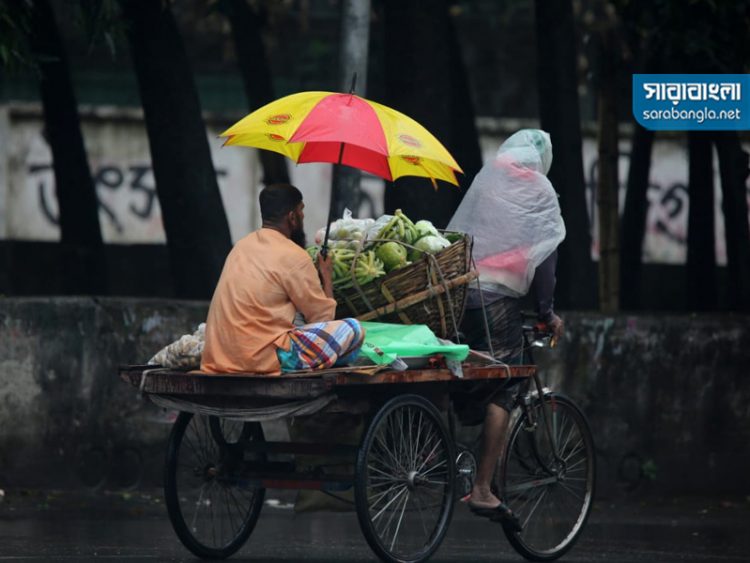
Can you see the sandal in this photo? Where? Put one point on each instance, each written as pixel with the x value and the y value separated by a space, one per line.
pixel 501 513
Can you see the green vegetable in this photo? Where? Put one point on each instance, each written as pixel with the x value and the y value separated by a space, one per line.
pixel 431 244
pixel 425 228
pixel 313 252
pixel 392 254
pixel 367 268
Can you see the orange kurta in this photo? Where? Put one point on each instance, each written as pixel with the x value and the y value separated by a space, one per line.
pixel 266 279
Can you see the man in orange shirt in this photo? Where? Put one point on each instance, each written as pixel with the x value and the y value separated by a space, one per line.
pixel 267 278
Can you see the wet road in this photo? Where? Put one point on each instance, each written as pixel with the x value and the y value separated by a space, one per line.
pixel 42 526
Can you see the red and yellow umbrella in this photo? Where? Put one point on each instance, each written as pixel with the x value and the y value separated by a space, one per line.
pixel 345 129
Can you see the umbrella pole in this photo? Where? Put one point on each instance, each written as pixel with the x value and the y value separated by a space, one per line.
pixel 332 203
pixel 335 183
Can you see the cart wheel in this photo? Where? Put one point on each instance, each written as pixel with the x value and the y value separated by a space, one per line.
pixel 404 482
pixel 211 510
pixel 551 497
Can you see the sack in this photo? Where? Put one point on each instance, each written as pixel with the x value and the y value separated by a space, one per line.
pixel 184 353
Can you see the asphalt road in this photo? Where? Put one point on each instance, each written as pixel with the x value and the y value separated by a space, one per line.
pixel 56 526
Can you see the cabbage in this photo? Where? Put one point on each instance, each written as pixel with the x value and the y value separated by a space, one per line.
pixel 430 244
pixel 392 254
pixel 425 228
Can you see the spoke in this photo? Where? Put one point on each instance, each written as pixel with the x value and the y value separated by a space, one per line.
pixel 400 518
pixel 573 428
pixel 573 468
pixel 579 447
pixel 529 497
pixel 376 470
pixel 196 451
pixel 385 448
pixel 377 482
pixel 432 437
pixel 198 504
pixel 403 448
pixel 388 504
pixel 435 447
pixel 433 468
pixel 571 491
pixel 421 515
pixel 374 500
pixel 531 512
pixel 231 500
pixel 408 429
pixel 213 518
pixel 419 436
pixel 386 526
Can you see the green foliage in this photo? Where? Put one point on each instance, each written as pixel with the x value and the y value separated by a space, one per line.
pixel 15 23
pixel 649 469
pixel 689 35
pixel 100 22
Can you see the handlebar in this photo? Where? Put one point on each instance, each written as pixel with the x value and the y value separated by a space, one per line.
pixel 539 335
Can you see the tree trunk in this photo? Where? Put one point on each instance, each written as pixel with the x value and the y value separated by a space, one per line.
pixel 608 185
pixel 464 139
pixel 194 220
pixel 416 58
pixel 247 24
pixel 733 168
pixel 84 266
pixel 560 116
pixel 634 217
pixel 355 41
pixel 701 246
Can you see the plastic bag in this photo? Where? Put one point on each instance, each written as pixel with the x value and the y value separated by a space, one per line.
pixel 377 225
pixel 512 212
pixel 183 353
pixel 346 228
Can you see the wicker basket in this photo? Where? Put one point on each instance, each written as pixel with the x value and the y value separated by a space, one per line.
pixel 430 291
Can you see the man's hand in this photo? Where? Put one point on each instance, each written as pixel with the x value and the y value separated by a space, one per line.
pixel 557 326
pixel 325 270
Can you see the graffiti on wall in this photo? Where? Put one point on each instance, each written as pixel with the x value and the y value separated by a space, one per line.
pixel 119 157
pixel 134 183
pixel 668 201
pixel 129 211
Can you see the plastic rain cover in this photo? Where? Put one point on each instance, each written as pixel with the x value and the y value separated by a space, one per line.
pixel 513 214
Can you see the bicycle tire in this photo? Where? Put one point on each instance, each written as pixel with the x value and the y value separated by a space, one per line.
pixel 406 459
pixel 552 499
pixel 196 454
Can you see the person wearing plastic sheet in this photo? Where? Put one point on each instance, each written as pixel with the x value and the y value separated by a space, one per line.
pixel 511 211
pixel 268 278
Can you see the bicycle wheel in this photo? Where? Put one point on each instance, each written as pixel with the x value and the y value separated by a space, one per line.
pixel 551 497
pixel 211 510
pixel 404 483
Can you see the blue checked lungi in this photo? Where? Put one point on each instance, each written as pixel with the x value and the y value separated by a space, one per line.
pixel 322 345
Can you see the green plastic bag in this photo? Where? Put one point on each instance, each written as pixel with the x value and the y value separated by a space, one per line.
pixel 384 342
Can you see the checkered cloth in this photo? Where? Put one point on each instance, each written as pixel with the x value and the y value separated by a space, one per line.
pixel 322 345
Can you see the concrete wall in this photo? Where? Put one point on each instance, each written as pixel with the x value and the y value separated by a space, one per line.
pixel 65 417
pixel 668 397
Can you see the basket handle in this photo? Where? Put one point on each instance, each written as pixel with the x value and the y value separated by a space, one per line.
pixel 410 300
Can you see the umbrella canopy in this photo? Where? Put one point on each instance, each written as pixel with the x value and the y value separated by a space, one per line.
pixel 345 129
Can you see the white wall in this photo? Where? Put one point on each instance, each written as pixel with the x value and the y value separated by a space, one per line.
pixel 666 222
pixel 120 161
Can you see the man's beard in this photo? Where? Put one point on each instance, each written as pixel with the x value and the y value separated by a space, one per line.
pixel 299 237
